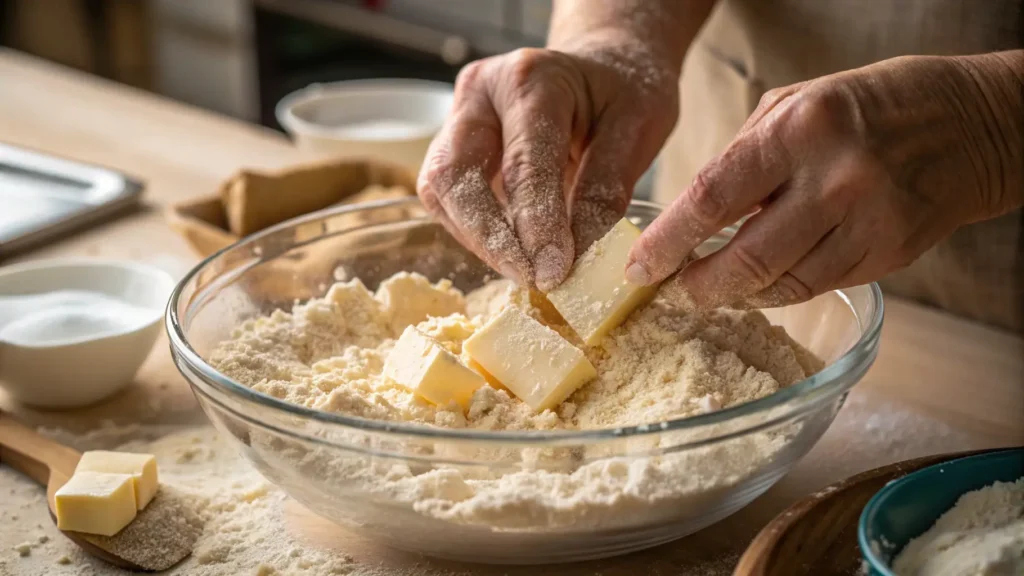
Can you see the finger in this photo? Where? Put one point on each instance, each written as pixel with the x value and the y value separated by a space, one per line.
pixel 536 129
pixel 848 255
pixel 767 245
pixel 770 101
pixel 454 185
pixel 826 267
pixel 433 205
pixel 472 210
pixel 619 152
pixel 727 188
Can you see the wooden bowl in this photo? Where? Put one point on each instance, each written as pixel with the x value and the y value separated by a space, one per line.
pixel 818 535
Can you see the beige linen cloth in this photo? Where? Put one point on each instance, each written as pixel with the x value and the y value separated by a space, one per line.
pixel 751 46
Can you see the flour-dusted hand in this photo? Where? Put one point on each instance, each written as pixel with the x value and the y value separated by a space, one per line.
pixel 848 178
pixel 542 148
pixel 531 134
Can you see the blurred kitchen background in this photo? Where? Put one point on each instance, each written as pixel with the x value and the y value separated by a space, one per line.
pixel 240 57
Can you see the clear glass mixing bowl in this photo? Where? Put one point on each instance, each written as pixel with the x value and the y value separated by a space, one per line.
pixel 495 497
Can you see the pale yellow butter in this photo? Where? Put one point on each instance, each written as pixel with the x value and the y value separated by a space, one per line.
pixel 141 467
pixel 596 297
pixel 96 503
pixel 533 361
pixel 421 364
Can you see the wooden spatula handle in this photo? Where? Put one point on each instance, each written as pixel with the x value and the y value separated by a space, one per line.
pixel 31 453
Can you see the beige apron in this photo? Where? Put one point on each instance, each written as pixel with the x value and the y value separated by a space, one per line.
pixel 751 46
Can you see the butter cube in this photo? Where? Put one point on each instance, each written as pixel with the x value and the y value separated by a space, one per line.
pixel 422 365
pixel 596 298
pixel 96 503
pixel 533 361
pixel 141 467
pixel 491 380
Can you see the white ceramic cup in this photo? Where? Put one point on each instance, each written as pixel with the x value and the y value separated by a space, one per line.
pixel 388 120
pixel 82 371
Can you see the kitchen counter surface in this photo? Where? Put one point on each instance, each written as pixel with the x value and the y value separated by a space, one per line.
pixel 940 383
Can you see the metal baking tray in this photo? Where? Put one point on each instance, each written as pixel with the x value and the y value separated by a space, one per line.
pixel 43 197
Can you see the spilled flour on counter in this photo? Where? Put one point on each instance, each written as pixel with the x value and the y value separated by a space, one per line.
pixel 982 535
pixel 237 513
pixel 660 365
pixel 161 535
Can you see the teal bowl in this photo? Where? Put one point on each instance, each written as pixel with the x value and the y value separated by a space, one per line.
pixel 908 507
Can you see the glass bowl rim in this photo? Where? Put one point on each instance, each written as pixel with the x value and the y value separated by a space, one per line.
pixel 813 390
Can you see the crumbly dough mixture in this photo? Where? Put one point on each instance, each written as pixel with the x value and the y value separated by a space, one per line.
pixel 662 364
pixel 453 497
pixel 983 535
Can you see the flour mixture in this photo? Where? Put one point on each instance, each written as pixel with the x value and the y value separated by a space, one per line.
pixel 661 364
pixel 983 535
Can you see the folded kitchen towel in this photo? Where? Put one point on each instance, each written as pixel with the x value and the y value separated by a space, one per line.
pixel 251 201
pixel 254 201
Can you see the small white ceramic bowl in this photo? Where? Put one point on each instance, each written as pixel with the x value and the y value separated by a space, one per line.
pixel 80 371
pixel 389 120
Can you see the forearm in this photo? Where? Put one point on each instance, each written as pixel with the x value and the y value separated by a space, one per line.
pixel 657 31
pixel 995 89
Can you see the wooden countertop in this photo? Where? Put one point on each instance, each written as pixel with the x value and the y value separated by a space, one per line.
pixel 939 384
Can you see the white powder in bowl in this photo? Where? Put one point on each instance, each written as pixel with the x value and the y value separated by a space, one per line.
pixel 982 535
pixel 67 316
pixel 381 129
pixel 661 364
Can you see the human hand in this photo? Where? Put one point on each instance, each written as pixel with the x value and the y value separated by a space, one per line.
pixel 847 178
pixel 541 151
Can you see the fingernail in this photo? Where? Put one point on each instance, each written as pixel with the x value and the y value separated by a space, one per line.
pixel 550 267
pixel 509 271
pixel 637 274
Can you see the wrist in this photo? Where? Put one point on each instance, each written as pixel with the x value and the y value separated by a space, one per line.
pixel 603 39
pixel 993 103
pixel 638 61
pixel 653 33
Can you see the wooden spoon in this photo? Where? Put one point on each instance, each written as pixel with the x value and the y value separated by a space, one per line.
pixel 818 535
pixel 50 464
